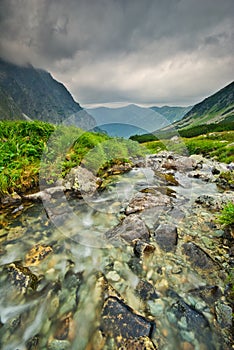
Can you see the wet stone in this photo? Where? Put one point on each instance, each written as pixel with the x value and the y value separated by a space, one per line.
pixel 146 290
pixel 216 201
pixel 33 343
pixel 21 277
pixel 142 343
pixel 131 228
pixel 224 314
pixel 166 237
pixel 62 328
pixel 209 294
pixel 119 320
pixel 144 201
pixel 198 257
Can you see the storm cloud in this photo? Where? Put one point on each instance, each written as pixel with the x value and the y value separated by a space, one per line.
pixel 124 51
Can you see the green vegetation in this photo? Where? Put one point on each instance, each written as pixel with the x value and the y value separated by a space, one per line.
pixel 33 152
pixel 226 217
pixel 218 145
pixel 214 145
pixel 21 146
pixel 143 138
pixel 226 125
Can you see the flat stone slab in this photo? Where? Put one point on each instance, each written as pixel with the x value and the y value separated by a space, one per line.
pixel 119 320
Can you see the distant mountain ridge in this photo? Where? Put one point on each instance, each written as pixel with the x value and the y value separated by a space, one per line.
pixel 172 113
pixel 25 90
pixel 128 120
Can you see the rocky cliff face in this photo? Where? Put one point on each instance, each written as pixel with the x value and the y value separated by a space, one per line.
pixel 35 93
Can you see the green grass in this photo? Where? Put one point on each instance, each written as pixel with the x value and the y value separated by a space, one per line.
pixel 226 217
pixel 37 152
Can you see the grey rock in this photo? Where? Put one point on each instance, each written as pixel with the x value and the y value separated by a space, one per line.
pixel 166 236
pixel 81 180
pixel 131 228
pixel 144 201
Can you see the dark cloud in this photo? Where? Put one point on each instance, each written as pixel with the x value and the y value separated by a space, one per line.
pixel 151 51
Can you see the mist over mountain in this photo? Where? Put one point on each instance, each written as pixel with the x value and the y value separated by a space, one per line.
pixel 27 92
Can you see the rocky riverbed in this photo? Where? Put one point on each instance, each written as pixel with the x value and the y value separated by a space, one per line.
pixel 134 260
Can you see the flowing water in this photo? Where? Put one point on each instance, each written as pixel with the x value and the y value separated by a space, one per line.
pixel 62 308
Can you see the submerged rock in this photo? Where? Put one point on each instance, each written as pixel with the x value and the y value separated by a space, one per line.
pixel 191 318
pixel 143 249
pixel 224 314
pixel 166 236
pixel 119 321
pixel 198 257
pixel 38 253
pixel 146 290
pixel 209 294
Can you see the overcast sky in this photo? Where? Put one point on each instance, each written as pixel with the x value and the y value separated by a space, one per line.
pixel 113 52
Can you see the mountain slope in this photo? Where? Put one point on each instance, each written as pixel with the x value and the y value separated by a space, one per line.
pixel 213 109
pixel 34 92
pixel 128 120
pixel 172 114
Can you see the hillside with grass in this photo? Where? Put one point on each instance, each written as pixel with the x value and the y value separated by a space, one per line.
pixel 214 109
